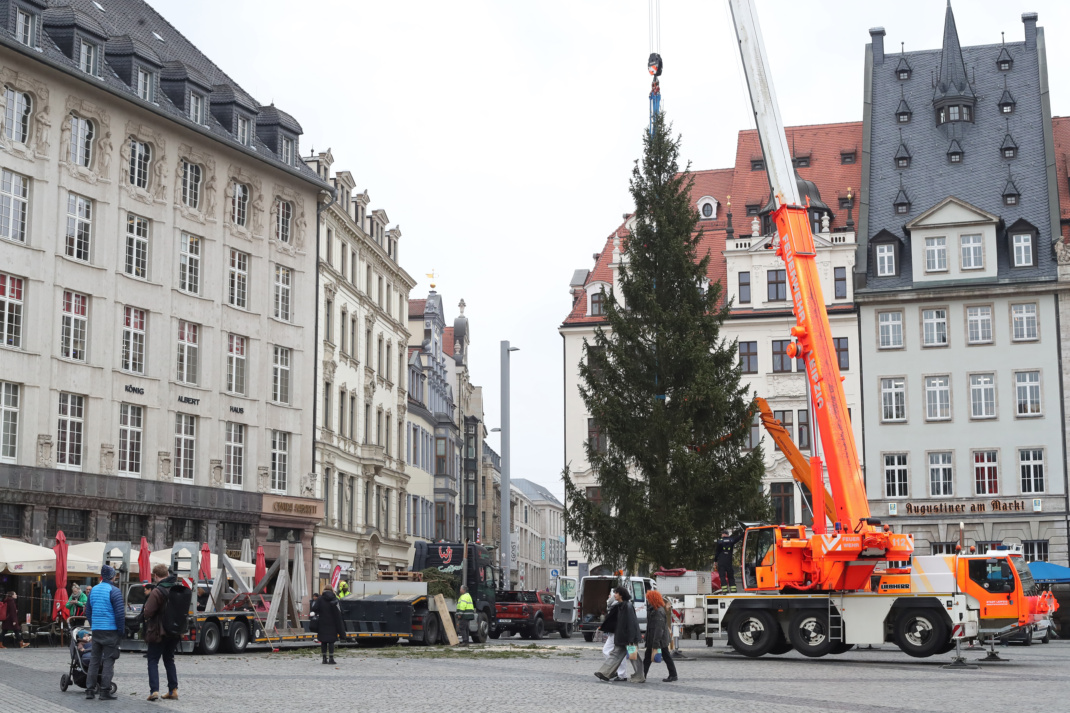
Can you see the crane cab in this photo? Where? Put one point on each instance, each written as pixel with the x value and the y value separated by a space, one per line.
pixel 773 557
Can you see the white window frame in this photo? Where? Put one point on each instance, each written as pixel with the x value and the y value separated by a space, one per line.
pixel 18 107
pixel 134 323
pixel 10 394
pixel 14 205
pixel 979 317
pixel 894 396
pixel 283 220
pixel 12 296
pixel 936 254
pixel 1031 470
pixel 1022 249
pixel 189 263
pixel 972 252
pixel 192 175
pixel 25 27
pixel 287 151
pixel 283 293
pixel 88 56
pixel 983 395
pixel 938 397
pixel 1028 397
pixel 896 475
pixel 280 374
pixel 936 317
pixel 138 232
pixel 989 462
pixel 188 352
pixel 145 84
pixel 280 460
pixel 237 348
pixel 890 328
pixel 185 446
pixel 79 241
pixel 234 455
pixel 196 108
pixel 140 159
pixel 70 431
pixel 885 253
pixel 242 130
pixel 238 279
pixel 74 325
pixel 131 431
pixel 1025 325
pixel 239 204
pixel 941 468
pixel 82 133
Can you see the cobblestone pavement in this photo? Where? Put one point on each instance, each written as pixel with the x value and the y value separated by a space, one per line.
pixel 557 675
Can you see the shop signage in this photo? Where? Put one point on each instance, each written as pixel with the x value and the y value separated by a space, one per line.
pixel 188 400
pixel 325 566
pixel 296 508
pixel 131 389
pixel 958 508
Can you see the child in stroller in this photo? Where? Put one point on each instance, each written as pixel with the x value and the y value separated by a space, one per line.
pixel 81 647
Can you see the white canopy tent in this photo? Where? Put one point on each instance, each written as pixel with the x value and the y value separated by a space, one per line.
pixel 20 557
pixel 94 551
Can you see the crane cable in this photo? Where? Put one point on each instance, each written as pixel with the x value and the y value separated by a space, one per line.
pixel 654 63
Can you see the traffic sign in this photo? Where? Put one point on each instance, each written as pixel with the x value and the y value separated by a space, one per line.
pixel 554 573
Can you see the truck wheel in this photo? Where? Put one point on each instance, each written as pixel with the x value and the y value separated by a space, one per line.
pixel 565 631
pixel 495 633
pixel 753 632
pixel 588 636
pixel 538 628
pixel 809 632
pixel 430 629
pixel 238 639
pixel 781 647
pixel 483 630
pixel 920 632
pixel 210 639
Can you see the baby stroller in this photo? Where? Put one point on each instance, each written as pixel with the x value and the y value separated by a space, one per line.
pixel 78 670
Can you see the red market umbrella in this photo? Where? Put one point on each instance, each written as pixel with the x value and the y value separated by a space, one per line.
pixel 59 603
pixel 205 572
pixel 261 566
pixel 144 567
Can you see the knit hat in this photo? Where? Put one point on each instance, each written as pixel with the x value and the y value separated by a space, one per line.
pixel 107 573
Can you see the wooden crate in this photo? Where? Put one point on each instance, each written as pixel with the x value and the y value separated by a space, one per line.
pixel 400 576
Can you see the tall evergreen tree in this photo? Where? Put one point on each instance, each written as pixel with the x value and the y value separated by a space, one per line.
pixel 663 386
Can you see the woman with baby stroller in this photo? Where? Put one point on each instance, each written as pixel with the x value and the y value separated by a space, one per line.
pixel 81 647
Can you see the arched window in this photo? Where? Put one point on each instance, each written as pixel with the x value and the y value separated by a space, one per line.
pixel 17 115
pixel 191 184
pixel 284 213
pixel 140 156
pixel 239 204
pixel 82 131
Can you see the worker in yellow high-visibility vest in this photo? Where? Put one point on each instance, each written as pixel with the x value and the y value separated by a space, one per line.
pixel 466 612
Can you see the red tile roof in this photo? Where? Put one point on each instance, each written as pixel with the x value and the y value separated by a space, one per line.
pixel 1061 130
pixel 822 143
pixel 416 308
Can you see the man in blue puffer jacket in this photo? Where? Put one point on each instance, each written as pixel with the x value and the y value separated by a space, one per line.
pixel 107 617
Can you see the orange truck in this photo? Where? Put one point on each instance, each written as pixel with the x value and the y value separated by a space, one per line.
pixel 812 590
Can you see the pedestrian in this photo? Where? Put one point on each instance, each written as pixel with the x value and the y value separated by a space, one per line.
pixel 160 644
pixel 10 623
pixel 107 619
pixel 331 626
pixel 625 635
pixel 608 626
pixel 343 589
pixel 76 602
pixel 723 556
pixel 466 612
pixel 657 634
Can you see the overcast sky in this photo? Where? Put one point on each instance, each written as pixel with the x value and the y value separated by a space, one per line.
pixel 499 136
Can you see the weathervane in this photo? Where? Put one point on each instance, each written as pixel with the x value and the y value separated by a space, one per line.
pixel 432 275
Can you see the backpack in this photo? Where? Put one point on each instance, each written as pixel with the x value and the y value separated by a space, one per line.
pixel 175 615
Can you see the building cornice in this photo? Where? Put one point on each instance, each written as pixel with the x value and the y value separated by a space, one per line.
pixel 973 291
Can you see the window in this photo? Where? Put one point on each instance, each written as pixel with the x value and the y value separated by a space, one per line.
pixel 847 158
pixel 88 56
pixel 895 475
pixel 777 285
pixel 11 520
pixel 1035 550
pixel 935 254
pixel 902 208
pixel 979 324
pixel 840 282
pixel 941 482
pixel 748 357
pixel 782 496
pixel 1027 385
pixel 885 260
pixel 74 523
pixel 1023 250
pixel 140 156
pixel 754 434
pixel 744 288
pixel 185 445
pixel 1010 199
pixel 280 460
pixel 280 375
pixel 1024 322
pixel 79 227
pixel 282 293
pixel 781 361
pixel 18 107
pixel 196 108
pixel 238 285
pixel 189 264
pixel 14 198
pixel 284 212
pixel 972 257
pixel 288 151
pixel 188 334
pixel 74 324
pixel 239 204
pixel 25 27
pixel 236 347
pixel 81 141
pixel 137 246
pixel 934 327
pixel 757 165
pixel 243 131
pixel 134 340
pixel 328 322
pixel 130 425
pixel 69 440
pixel 937 398
pixel 191 184
pixel 707 210
pixel 145 84
pixel 893 399
pixel 785 418
pixel 9 421
pixel 183 530
pixel 327 405
pixel 890 330
pixel 986 473
pixel 597 303
pixel 126 527
pixel 944 548
pixel 10 310
pixel 843 355
pixel 1031 461
pixel 234 455
pixel 983 395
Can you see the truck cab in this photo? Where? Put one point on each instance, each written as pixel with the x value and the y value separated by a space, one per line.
pixel 482 575
pixel 593 602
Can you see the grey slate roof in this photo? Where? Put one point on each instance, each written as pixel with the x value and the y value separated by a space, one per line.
pixel 534 491
pixel 981 176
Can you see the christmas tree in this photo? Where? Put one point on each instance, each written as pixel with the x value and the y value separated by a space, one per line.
pixel 663 385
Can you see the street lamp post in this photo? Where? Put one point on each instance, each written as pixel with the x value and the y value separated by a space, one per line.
pixel 505 520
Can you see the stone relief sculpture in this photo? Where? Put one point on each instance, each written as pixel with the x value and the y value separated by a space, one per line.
pixel 1062 252
pixel 209 193
pixel 263 479
pixel 44 450
pixel 42 127
pixel 217 473
pixel 107 458
pixel 258 213
pixel 159 173
pixel 65 140
pixel 105 155
pixel 163 465
pixel 308 485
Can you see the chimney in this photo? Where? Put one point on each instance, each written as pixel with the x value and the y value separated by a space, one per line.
pixel 876 35
pixel 1029 19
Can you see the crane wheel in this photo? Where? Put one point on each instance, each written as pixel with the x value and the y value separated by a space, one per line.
pixel 809 632
pixel 753 632
pixel 921 632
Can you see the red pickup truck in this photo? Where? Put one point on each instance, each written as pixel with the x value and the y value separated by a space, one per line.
pixel 530 614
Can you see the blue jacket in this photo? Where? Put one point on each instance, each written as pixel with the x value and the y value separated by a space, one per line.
pixel 105 609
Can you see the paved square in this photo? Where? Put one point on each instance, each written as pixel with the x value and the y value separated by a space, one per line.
pixel 555 676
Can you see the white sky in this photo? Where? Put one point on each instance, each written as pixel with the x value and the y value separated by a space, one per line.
pixel 500 136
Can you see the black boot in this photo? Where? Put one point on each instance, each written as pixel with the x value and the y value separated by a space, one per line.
pixel 108 696
pixel 90 693
pixel 330 660
pixel 670 679
pixel 325 658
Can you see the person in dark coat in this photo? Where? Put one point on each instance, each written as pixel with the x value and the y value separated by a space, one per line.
pixel 159 643
pixel 331 626
pixel 10 624
pixel 657 634
pixel 723 555
pixel 626 634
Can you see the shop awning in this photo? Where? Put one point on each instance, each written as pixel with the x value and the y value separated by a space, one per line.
pixel 1048 573
pixel 20 557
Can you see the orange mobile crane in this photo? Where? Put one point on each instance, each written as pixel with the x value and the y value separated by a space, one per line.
pixel 814 591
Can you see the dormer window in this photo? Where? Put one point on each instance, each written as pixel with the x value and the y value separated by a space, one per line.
pixel 25 27
pixel 145 84
pixel 287 151
pixel 1006 102
pixel 954 152
pixel 1005 66
pixel 196 108
pixel 753 210
pixel 1004 61
pixel 847 157
pixel 89 57
pixel 1010 152
pixel 1010 192
pixel 707 210
pixel 243 131
pixel 1009 147
pixel 902 112
pixel 902 156
pixel 801 162
pixel 902 70
pixel 757 165
pixel 901 202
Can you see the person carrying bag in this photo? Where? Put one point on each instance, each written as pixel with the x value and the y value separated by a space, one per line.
pixel 657 634
pixel 625 637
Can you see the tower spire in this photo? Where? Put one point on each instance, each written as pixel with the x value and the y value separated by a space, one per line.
pixel 952 82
